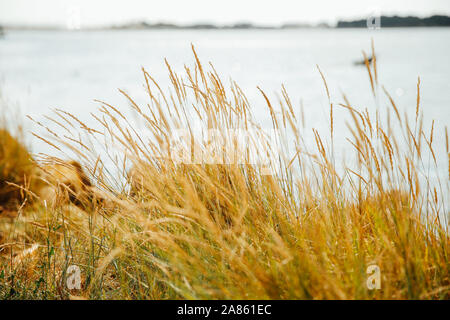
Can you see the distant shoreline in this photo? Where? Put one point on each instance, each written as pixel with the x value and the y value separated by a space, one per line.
pixel 385 22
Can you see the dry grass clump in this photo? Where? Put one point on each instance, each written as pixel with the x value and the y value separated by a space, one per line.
pixel 16 167
pixel 169 229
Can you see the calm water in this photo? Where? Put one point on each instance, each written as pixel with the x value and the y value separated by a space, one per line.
pixel 41 70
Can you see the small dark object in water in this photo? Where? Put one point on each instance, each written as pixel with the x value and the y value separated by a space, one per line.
pixel 363 62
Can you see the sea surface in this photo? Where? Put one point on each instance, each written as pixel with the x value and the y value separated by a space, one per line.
pixel 44 70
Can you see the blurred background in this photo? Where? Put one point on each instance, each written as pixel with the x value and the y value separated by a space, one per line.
pixel 66 53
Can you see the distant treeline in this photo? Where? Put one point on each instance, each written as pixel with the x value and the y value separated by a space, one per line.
pixel 385 21
pixel 396 21
pixel 146 25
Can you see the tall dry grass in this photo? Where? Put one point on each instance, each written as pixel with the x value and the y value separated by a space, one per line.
pixel 168 230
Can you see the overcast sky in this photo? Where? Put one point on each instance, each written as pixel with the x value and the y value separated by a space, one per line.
pixel 103 12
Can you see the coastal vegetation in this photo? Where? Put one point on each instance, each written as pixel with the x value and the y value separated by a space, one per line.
pixel 139 224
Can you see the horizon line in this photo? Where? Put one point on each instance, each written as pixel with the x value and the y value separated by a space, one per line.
pixel 162 24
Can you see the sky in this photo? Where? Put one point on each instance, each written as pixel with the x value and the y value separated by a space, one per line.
pixel 88 13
